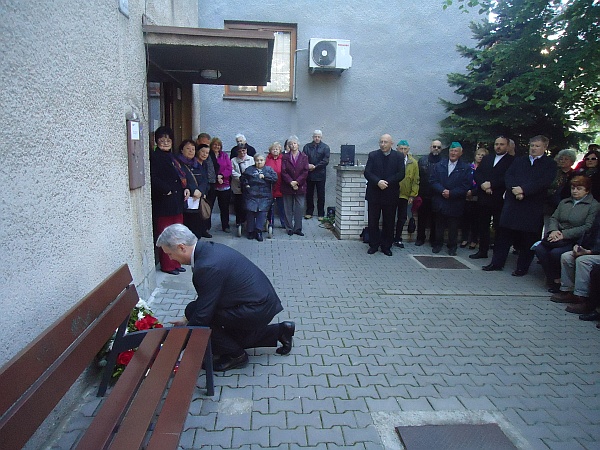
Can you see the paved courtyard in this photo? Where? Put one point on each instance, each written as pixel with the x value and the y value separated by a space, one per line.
pixel 383 342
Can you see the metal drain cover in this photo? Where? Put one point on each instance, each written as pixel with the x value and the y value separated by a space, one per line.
pixel 440 262
pixel 454 437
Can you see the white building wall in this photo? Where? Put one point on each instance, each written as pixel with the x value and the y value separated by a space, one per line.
pixel 71 72
pixel 402 52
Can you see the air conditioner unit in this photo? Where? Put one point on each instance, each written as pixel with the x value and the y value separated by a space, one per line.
pixel 329 55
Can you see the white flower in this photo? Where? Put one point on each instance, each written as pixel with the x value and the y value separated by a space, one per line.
pixel 142 304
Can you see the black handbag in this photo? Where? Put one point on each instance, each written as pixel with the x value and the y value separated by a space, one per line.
pixel 412 225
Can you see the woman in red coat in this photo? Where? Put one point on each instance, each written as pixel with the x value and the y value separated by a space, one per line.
pixel 294 172
pixel 274 162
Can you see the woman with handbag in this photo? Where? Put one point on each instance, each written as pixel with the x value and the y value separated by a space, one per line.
pixel 571 219
pixel 197 176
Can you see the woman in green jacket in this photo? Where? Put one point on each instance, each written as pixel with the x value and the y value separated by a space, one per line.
pixel 409 189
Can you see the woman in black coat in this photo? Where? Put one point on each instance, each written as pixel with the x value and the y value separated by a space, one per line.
pixel 169 191
pixel 257 191
pixel 197 177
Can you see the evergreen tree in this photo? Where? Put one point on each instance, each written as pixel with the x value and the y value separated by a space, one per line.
pixel 513 85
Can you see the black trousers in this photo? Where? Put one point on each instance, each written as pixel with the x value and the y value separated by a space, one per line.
pixel 238 208
pixel 310 202
pixel 522 240
pixel 401 220
pixel 426 218
pixel 224 199
pixel 231 339
pixel 195 223
pixel 487 214
pixel 385 237
pixel 441 222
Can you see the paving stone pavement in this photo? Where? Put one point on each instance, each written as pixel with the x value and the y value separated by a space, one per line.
pixel 381 342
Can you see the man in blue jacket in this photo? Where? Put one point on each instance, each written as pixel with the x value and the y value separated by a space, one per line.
pixel 235 298
pixel 450 179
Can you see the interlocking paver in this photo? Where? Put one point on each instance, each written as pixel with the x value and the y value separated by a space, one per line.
pixel 384 334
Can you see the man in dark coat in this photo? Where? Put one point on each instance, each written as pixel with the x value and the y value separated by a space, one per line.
pixel 450 179
pixel 241 142
pixel 384 172
pixel 489 178
pixel 426 215
pixel 235 298
pixel 527 181
pixel 318 159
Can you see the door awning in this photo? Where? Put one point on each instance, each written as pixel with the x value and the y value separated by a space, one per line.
pixel 208 56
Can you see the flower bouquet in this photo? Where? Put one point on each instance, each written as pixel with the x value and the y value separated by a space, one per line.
pixel 141 318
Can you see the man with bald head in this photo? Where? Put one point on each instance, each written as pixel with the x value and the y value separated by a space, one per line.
pixel 426 216
pixel 384 171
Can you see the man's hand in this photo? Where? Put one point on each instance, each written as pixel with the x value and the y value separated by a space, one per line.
pixel 516 190
pixel 486 185
pixel 446 193
pixel 311 167
pixel 382 184
pixel 186 194
pixel 179 323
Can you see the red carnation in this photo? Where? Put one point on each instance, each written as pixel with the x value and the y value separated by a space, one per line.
pixel 147 322
pixel 125 357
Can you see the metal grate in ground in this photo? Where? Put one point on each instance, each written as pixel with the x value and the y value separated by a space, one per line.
pixel 454 437
pixel 440 262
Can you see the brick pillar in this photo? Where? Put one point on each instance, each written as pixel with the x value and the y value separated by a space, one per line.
pixel 350 216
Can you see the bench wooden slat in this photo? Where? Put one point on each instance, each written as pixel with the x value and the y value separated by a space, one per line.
pixel 169 426
pixel 23 417
pixel 102 428
pixel 134 426
pixel 48 346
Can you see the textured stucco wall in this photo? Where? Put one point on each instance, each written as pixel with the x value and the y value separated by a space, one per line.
pixel 401 50
pixel 71 71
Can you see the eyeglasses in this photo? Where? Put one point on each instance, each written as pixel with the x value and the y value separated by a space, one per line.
pixel 436 146
pixel 591 159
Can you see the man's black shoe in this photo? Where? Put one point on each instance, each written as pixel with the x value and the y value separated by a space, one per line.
pixel 371 251
pixel 286 337
pixel 594 315
pixel 225 362
pixel 519 273
pixel 399 244
pixel 436 249
pixel 478 255
pixel 452 251
pixel 491 268
pixel 299 233
pixel 290 232
pixel 386 252
pixel 207 235
pixel 418 242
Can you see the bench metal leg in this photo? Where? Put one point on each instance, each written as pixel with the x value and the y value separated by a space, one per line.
pixel 208 366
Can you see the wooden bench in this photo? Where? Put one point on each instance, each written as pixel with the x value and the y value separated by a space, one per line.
pixel 149 403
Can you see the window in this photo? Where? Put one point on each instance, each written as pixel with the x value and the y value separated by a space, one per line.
pixel 282 66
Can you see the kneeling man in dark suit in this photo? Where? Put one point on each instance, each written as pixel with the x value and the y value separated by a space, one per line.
pixel 235 298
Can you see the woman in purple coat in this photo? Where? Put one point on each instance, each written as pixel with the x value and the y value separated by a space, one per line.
pixel 294 173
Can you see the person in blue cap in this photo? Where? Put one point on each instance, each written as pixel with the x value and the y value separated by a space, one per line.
pixel 450 180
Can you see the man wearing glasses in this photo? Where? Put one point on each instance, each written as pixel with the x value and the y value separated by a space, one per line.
pixel 426 215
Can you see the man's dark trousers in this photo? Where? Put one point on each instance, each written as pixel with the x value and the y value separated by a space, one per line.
pixel 452 223
pixel 486 213
pixel 310 203
pixel 426 216
pixel 385 237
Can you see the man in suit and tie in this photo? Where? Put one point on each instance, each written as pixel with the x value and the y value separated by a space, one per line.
pixel 235 298
pixel 384 172
pixel 450 180
pixel 527 181
pixel 489 177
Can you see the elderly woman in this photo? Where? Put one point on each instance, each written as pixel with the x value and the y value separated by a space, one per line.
pixel 274 162
pixel 222 187
pixel 257 181
pixel 239 164
pixel 560 187
pixel 197 177
pixel 571 219
pixel 209 161
pixel 590 169
pixel 169 191
pixel 294 174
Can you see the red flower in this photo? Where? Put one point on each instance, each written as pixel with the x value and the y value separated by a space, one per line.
pixel 125 357
pixel 147 322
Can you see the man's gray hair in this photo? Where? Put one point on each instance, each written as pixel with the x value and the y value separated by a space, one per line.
pixel 568 153
pixel 176 234
pixel 317 133
pixel 240 135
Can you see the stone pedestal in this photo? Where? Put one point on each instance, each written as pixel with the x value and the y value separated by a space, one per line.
pixel 350 214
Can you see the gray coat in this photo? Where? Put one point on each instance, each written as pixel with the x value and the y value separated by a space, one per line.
pixel 573 220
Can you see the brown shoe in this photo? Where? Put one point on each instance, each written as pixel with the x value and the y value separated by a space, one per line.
pixel 564 297
pixel 581 308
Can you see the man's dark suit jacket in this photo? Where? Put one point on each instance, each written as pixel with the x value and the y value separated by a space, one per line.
pixel 231 289
pixel 458 183
pixel 495 175
pixel 389 168
pixel 528 214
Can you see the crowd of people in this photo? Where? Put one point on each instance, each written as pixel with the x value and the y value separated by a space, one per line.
pixel 535 204
pixel 261 187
